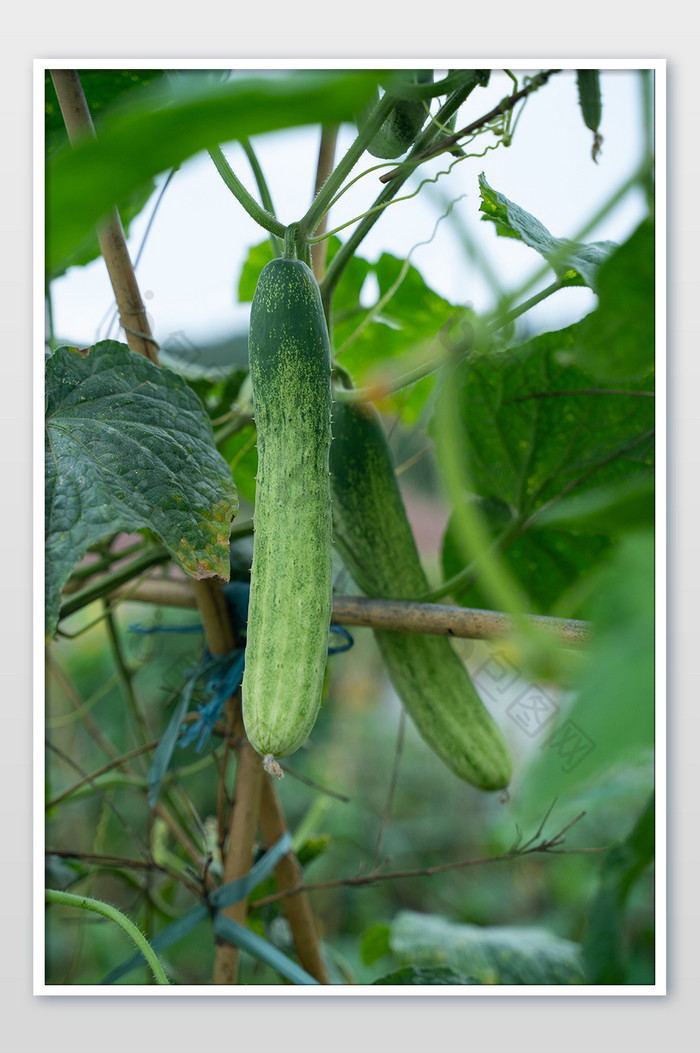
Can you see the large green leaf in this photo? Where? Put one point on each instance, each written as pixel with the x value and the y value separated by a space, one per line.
pixel 129 446
pixel 172 122
pixel 539 430
pixel 612 509
pixel 607 724
pixel 103 88
pixel 373 342
pixel 573 262
pixel 545 562
pixel 493 955
pixel 616 341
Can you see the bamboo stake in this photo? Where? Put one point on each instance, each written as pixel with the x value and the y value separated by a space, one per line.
pixel 239 849
pixel 326 159
pixel 289 874
pixel 110 232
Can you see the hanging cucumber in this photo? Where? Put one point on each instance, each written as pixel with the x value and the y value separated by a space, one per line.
pixel 398 132
pixel 290 595
pixel 374 537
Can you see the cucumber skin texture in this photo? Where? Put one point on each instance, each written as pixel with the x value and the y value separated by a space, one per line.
pixel 399 130
pixel 290 594
pixel 374 537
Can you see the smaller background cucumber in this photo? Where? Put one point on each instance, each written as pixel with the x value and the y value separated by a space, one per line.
pixel 399 131
pixel 375 539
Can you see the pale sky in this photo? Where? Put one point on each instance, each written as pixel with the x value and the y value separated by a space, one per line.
pixel 189 270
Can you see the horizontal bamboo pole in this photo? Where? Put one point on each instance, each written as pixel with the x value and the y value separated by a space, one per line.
pixel 396 615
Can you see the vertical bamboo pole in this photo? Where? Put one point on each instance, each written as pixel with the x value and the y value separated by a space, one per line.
pixel 110 233
pixel 240 839
pixel 240 843
pixel 326 159
pixel 288 874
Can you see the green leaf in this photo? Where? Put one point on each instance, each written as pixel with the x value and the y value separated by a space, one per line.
pixel 545 562
pixel 617 340
pixel 539 430
pixel 612 509
pixel 346 311
pixel 89 249
pixel 412 975
pixel 167 125
pixel 104 89
pixel 241 453
pixel 538 427
pixel 257 257
pixel 370 342
pixel 573 262
pixel 129 446
pixel 375 943
pixel 604 949
pixel 609 723
pixel 413 314
pixel 494 955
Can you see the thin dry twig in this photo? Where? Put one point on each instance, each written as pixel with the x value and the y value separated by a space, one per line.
pixel 453 140
pixel 314 785
pixel 398 752
pixel 105 797
pixel 549 846
pixel 121 863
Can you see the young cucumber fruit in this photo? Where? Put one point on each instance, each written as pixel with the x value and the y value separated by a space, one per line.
pixel 374 537
pixel 398 132
pixel 290 594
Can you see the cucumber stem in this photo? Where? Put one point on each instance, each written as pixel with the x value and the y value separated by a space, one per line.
pixel 328 191
pixel 255 211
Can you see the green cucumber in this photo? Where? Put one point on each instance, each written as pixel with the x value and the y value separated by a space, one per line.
pixel 290 593
pixel 398 132
pixel 375 540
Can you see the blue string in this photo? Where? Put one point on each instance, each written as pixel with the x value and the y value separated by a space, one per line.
pixel 340 630
pixel 225 673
